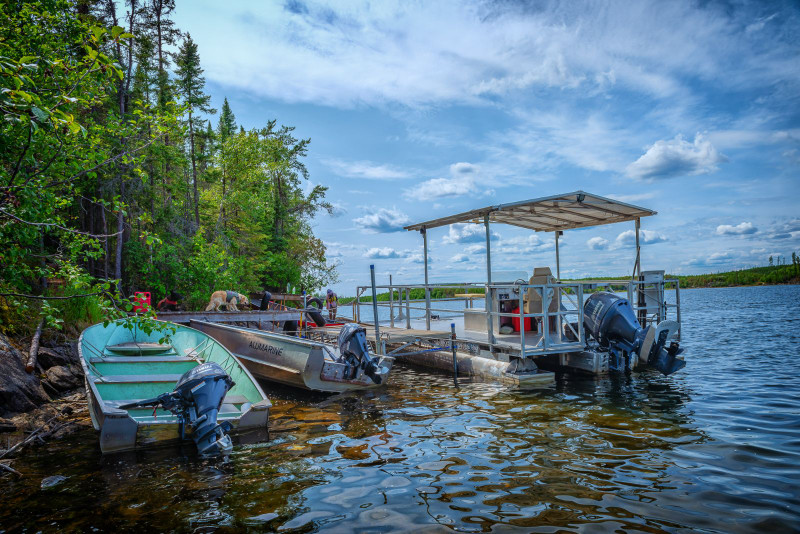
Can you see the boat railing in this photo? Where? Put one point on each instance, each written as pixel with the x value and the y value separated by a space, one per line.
pixel 559 329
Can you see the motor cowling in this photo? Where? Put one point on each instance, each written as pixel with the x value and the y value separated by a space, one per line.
pixel 202 390
pixel 196 401
pixel 611 321
pixel 353 348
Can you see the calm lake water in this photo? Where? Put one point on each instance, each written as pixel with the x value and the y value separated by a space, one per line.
pixel 714 448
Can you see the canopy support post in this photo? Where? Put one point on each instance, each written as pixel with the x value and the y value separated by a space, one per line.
pixel 489 318
pixel 558 260
pixel 637 269
pixel 424 232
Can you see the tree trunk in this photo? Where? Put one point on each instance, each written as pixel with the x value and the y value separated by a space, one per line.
pixel 120 236
pixel 105 241
pixel 194 173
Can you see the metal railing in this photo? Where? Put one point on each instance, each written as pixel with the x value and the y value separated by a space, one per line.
pixel 558 330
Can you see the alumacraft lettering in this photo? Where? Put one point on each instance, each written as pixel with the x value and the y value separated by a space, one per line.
pixel 269 349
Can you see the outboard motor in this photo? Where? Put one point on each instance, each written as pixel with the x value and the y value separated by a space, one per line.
pixel 610 320
pixel 196 401
pixel 355 351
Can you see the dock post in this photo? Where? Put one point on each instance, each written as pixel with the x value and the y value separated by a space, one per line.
pixel 391 302
pixel 375 310
pixel 427 289
pixel 408 308
pixel 453 348
pixel 489 318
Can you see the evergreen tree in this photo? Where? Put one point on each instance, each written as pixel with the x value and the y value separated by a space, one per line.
pixel 226 126
pixel 190 84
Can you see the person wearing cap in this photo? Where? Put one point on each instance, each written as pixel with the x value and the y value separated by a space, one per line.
pixel 331 303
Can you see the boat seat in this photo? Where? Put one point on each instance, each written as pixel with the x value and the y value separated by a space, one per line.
pixel 141 359
pixel 135 379
pixel 140 348
pixel 229 400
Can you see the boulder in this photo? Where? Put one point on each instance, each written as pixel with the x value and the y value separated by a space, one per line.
pixel 52 357
pixel 63 377
pixel 19 391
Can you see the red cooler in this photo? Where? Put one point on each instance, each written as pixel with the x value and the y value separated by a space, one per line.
pixel 515 321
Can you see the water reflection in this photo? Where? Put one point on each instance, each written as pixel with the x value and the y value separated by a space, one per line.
pixel 716 447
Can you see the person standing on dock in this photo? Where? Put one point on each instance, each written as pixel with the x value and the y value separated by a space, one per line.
pixel 331 303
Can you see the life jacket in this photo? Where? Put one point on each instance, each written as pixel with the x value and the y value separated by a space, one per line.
pixel 230 295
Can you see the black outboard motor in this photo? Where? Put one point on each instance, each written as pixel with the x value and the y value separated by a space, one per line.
pixel 610 320
pixel 196 401
pixel 355 352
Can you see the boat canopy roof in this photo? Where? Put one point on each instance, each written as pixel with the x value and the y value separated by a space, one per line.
pixel 548 214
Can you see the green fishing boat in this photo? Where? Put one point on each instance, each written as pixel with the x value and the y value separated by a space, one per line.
pixel 145 393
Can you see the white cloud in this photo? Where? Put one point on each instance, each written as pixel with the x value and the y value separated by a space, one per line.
pixel 597 243
pixel 377 53
pixel 467 233
pixel 383 221
pixel 526 245
pixel 418 257
pixel 440 188
pixel 337 209
pixel 634 197
pixel 676 157
pixel 463 180
pixel 742 228
pixel 476 249
pixel 646 237
pixel 366 170
pixel 459 258
pixel 383 253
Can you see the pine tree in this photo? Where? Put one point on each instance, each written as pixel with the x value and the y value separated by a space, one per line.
pixel 227 122
pixel 190 84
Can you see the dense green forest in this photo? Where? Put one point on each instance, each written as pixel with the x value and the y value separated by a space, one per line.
pixel 780 273
pixel 116 175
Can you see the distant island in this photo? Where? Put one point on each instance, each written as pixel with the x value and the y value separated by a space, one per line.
pixel 787 273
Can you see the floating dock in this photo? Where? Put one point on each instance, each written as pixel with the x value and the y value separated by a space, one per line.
pixel 525 323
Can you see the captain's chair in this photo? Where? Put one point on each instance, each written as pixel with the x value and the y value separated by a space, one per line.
pixel 533 297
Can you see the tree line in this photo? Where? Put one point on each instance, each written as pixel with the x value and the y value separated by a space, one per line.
pixel 117 175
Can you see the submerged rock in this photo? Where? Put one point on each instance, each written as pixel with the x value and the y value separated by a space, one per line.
pixel 49 482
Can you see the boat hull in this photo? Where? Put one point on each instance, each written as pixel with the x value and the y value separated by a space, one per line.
pixel 245 406
pixel 289 360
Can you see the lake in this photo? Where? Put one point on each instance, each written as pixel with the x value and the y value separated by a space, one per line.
pixel 713 448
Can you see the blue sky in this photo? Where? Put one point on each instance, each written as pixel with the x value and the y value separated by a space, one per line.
pixel 416 110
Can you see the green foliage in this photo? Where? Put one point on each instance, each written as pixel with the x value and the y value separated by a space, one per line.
pixel 112 180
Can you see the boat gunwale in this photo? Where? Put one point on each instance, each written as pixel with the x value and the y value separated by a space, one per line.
pixel 114 411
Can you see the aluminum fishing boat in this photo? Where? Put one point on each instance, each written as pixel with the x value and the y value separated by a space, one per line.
pixel 144 393
pixel 303 363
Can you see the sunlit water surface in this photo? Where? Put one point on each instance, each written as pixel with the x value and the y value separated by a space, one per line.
pixel 714 448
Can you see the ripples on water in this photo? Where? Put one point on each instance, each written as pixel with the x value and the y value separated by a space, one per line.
pixel 714 448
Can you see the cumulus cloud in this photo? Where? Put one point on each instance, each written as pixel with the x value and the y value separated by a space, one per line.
pixel 743 228
pixel 466 233
pixel 646 237
pixel 383 253
pixel 525 245
pixel 366 170
pixel 463 180
pixel 418 257
pixel 337 209
pixel 597 243
pixel 476 249
pixel 676 157
pixel 383 221
pixel 459 258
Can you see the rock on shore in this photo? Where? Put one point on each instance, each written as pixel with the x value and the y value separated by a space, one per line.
pixel 57 372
